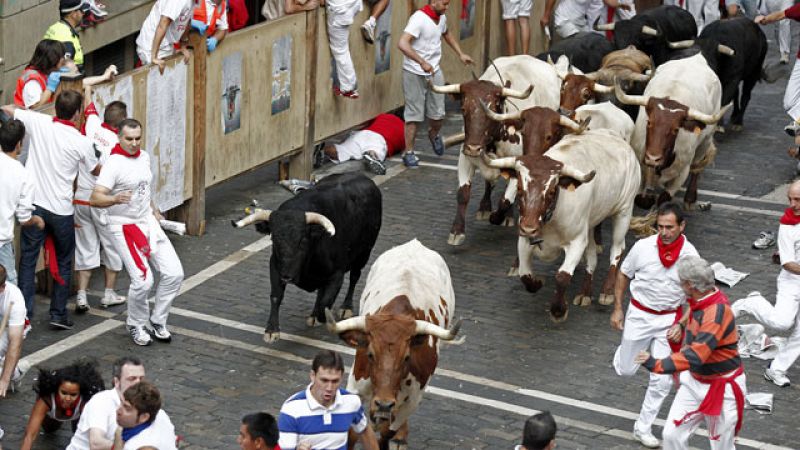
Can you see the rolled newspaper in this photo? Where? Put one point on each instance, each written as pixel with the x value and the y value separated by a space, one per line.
pixel 178 228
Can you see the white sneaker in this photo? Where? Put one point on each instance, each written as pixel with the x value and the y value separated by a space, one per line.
pixel 81 304
pixel 23 366
pixel 160 332
pixel 111 298
pixel 777 377
pixel 742 306
pixel 646 439
pixel 139 335
pixel 368 30
pixel 2 433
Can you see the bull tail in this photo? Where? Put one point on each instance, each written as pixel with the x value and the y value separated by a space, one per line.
pixel 642 226
pixel 708 158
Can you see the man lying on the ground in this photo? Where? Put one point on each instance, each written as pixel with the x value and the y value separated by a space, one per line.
pixel 382 138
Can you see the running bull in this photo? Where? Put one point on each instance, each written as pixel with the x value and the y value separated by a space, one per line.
pixel 406 309
pixel 318 236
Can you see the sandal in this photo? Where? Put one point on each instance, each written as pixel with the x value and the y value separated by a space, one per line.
pixel 766 239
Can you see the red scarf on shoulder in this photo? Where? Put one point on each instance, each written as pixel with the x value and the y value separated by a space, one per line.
pixel 668 253
pixel 117 150
pixel 431 13
pixel 789 217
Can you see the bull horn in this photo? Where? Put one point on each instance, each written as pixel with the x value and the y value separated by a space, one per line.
pixel 446 89
pixel 643 77
pixel 424 327
pixel 498 116
pixel 354 323
pixel 650 31
pixel 319 219
pixel 640 100
pixel 709 119
pixel 602 88
pixel 550 60
pixel 681 44
pixel 509 162
pixel 258 215
pixel 577 174
pixel 508 92
pixel 603 27
pixel 576 127
pixel 725 50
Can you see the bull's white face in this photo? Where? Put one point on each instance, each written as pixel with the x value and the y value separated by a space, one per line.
pixel 537 186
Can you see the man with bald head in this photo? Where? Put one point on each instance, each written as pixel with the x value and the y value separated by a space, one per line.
pixel 784 314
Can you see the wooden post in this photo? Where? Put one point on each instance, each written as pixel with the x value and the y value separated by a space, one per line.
pixel 193 211
pixel 300 164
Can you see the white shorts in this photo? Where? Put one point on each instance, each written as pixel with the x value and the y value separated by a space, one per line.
pixel 360 142
pixel 91 235
pixel 513 9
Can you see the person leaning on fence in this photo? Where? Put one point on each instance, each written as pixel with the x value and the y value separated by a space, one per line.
pixel 421 43
pixel 274 9
pixel 56 151
pixel 165 29
pixel 340 16
pixel 72 12
pixel 39 81
pixel 210 18
pixel 539 433
pixel 258 431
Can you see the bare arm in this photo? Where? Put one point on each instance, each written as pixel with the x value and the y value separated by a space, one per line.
pixel 34 424
pixel 9 109
pixel 404 44
pixel 368 439
pixel 617 316
pixel 453 43
pixel 102 198
pixel 291 7
pixel 792 267
pixel 548 11
pixel 47 94
pixel 770 18
pixel 12 357
pixel 98 441
pixel 161 31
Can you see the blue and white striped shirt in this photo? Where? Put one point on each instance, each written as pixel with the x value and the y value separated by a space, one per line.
pixel 303 419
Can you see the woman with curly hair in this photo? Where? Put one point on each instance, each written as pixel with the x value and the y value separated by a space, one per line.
pixel 61 396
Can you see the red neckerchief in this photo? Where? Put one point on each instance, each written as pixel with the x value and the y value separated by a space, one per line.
pixel 610 19
pixel 110 128
pixel 431 13
pixel 717 298
pixel 117 150
pixel 789 217
pixel 51 261
pixel 68 123
pixel 136 240
pixel 668 253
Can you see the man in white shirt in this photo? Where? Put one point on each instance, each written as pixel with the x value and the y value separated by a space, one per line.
pixel 124 188
pixel 786 312
pixel 91 233
pixel 16 195
pixel 56 150
pixel 572 16
pixel 703 11
pixel 142 421
pixel 421 44
pixel 98 422
pixel 12 311
pixel 166 25
pixel 654 314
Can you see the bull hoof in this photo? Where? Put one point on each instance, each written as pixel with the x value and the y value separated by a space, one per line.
pixel 704 206
pixel 720 129
pixel 689 206
pixel 582 300
pixel 483 215
pixel 345 313
pixel 513 272
pixel 531 283
pixel 606 299
pixel 271 337
pixel 737 127
pixel 510 222
pixel 598 249
pixel 645 201
pixel 398 445
pixel 559 316
pixel 456 239
pixel 312 321
pixel 496 219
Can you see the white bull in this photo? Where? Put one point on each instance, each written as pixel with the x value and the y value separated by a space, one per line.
pixel 517 74
pixel 564 194
pixel 406 308
pixel 672 138
pixel 606 116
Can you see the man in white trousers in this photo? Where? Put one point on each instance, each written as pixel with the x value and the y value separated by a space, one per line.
pixel 703 11
pixel 791 99
pixel 340 16
pixel 123 187
pixel 784 314
pixel 753 8
pixel 654 314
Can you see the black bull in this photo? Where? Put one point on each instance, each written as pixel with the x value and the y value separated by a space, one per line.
pixel 318 236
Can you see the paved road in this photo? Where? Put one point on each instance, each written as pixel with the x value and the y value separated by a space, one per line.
pixel 515 360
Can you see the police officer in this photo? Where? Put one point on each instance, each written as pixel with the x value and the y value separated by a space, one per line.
pixel 72 12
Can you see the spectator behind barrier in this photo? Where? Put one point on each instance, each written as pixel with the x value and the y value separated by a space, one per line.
pixel 210 18
pixel 539 433
pixel 38 83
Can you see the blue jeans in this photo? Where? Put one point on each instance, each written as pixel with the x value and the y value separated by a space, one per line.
pixel 62 228
pixel 8 262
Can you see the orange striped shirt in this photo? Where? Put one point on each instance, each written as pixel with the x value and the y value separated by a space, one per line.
pixel 710 348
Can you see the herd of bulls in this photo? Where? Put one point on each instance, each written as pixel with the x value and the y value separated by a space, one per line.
pixel 580 140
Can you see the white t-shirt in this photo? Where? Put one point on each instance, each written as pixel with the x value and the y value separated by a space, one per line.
pixel 17 311
pixel 427 41
pixel 652 284
pixel 789 246
pixel 101 413
pixel 31 93
pixel 122 173
pixel 160 435
pixel 104 141
pixel 598 9
pixel 16 196
pixel 573 11
pixel 55 152
pixel 180 11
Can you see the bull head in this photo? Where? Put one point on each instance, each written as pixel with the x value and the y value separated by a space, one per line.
pixel 539 180
pixel 389 348
pixel 479 131
pixel 578 90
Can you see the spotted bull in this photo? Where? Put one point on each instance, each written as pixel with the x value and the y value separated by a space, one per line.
pixel 563 196
pixel 672 138
pixel 510 84
pixel 406 309
pixel 318 236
